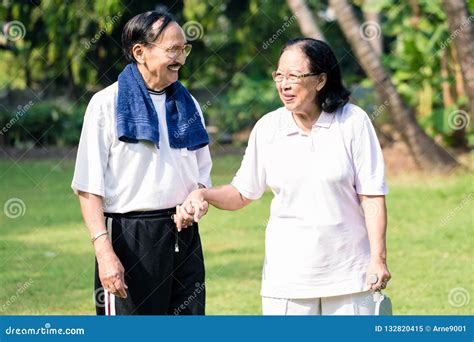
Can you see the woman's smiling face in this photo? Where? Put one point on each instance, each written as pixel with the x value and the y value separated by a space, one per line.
pixel 300 96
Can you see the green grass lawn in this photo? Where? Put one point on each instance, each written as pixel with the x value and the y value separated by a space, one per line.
pixel 46 260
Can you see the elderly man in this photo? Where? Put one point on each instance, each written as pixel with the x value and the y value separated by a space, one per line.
pixel 143 149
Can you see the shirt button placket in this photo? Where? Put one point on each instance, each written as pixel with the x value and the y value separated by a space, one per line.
pixel 312 137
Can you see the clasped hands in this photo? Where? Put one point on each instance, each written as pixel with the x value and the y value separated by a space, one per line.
pixel 191 210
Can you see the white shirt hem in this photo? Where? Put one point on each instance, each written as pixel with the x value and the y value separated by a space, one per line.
pixel 295 290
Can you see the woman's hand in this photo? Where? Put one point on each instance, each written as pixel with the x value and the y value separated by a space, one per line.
pixel 375 214
pixel 378 266
pixel 225 197
pixel 192 209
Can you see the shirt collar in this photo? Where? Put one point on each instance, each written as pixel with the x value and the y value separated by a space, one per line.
pixel 289 125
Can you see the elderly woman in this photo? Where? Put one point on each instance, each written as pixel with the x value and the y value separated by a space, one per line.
pixel 321 158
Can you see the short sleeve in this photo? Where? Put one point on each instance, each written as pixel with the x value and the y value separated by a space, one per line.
pixel 250 180
pixel 198 107
pixel 93 151
pixel 368 159
pixel 203 156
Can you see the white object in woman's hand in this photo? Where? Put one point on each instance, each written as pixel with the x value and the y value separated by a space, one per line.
pixel 378 271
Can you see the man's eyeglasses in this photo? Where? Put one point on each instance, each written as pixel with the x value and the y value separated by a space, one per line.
pixel 174 51
pixel 292 77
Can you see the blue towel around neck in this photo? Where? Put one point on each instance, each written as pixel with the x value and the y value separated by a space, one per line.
pixel 137 118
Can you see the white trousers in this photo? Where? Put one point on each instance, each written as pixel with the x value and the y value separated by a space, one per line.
pixel 361 303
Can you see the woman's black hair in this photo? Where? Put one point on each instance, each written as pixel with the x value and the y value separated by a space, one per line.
pixel 140 30
pixel 322 60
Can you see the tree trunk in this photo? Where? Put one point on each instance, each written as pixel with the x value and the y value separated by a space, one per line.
pixel 305 18
pixel 462 35
pixel 458 136
pixel 428 155
pixel 372 16
pixel 456 70
pixel 72 91
pixel 448 99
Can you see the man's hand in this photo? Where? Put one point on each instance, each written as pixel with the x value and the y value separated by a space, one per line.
pixel 112 274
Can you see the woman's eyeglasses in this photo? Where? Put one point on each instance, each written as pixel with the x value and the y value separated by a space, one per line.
pixel 174 51
pixel 292 77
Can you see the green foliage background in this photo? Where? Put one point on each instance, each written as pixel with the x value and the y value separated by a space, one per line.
pixel 72 49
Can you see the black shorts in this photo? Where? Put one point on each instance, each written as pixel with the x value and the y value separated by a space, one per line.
pixel 164 269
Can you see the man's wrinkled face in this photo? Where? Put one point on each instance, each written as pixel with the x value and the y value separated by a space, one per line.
pixel 164 57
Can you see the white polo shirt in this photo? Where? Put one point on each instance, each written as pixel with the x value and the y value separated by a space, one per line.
pixel 316 241
pixel 134 177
